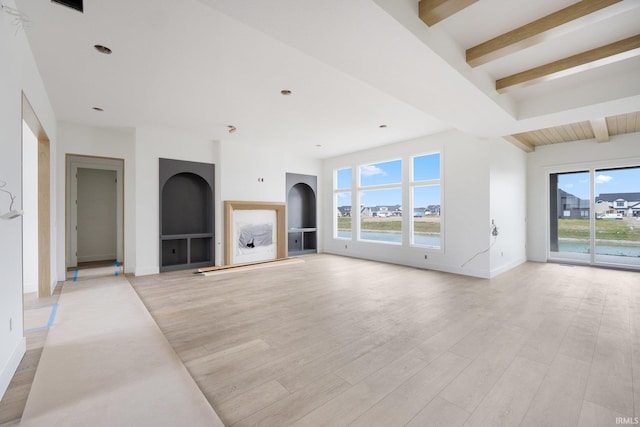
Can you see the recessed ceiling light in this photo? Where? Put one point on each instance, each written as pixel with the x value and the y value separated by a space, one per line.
pixel 98 109
pixel 382 126
pixel 285 92
pixel 232 128
pixel 103 49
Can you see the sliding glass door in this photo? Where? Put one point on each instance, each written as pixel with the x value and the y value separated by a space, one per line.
pixel 617 213
pixel 594 216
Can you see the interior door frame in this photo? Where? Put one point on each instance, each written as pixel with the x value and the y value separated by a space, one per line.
pixel 73 163
pixel 30 117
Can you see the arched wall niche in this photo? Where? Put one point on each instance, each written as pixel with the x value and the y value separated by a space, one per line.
pixel 186 214
pixel 301 214
pixel 187 205
pixel 301 203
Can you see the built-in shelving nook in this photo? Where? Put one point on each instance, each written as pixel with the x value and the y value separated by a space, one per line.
pixel 301 214
pixel 186 215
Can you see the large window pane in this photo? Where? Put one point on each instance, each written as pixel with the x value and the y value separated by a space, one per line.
pixel 343 215
pixel 381 215
pixel 426 167
pixel 381 173
pixel 618 213
pixel 343 179
pixel 426 216
pixel 570 210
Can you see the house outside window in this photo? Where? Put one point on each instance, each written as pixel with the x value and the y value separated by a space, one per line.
pixel 380 202
pixel 426 201
pixel 343 204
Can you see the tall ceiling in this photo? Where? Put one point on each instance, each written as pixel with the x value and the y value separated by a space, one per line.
pixel 200 66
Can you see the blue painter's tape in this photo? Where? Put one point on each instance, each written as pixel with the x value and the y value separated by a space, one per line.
pixel 75 275
pixel 52 316
pixel 52 319
pixel 117 264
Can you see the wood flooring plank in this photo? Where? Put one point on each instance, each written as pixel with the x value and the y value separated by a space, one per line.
pixel 298 404
pixel 509 400
pixel 346 407
pixel 593 415
pixel 560 395
pixel 469 388
pixel 233 410
pixel 403 403
pixel 439 413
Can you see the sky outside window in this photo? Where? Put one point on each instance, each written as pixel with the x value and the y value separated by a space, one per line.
pixel 381 173
pixel 426 167
pixel 607 181
pixel 343 178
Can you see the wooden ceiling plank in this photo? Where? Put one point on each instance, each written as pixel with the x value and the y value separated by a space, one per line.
pixel 547 135
pixel 564 133
pixel 602 55
pixel 600 129
pixel 541 137
pixel 433 11
pixel 579 131
pixel 557 135
pixel 623 127
pixel 533 32
pixel 612 125
pixel 518 142
pixel 572 133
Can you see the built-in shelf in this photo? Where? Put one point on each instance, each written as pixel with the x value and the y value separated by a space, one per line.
pixel 302 240
pixel 186 215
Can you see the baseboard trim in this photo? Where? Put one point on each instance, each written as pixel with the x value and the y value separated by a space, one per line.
pixel 12 366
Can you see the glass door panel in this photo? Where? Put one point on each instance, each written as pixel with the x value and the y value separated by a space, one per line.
pixel 569 224
pixel 617 213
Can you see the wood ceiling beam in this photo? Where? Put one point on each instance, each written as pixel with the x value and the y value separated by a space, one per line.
pixel 597 57
pixel 433 11
pixel 533 32
pixel 523 145
pixel 600 129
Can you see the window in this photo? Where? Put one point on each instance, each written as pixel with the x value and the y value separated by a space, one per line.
pixel 343 202
pixel 426 201
pixel 380 202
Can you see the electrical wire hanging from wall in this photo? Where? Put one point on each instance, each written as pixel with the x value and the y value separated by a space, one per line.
pixel 494 233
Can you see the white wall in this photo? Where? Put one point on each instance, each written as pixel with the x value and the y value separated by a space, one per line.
pixel 18 74
pixel 100 142
pixel 622 150
pixel 508 205
pixel 30 207
pixel 466 164
pixel 97 219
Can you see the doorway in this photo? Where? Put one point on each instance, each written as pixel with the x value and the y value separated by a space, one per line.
pixel 38 157
pixel 95 212
pixel 595 216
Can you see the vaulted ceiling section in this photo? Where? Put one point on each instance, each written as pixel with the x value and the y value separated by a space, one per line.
pixel 544 30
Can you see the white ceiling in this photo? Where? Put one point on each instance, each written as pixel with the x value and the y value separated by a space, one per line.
pixel 200 65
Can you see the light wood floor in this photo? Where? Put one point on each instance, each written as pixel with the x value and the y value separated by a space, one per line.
pixel 338 341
